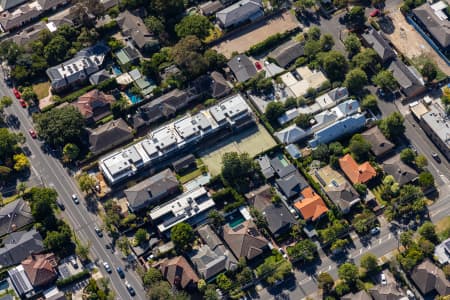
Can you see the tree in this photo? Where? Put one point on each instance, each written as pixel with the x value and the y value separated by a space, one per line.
pixel 166 9
pixel 326 42
pixel 224 283
pixel 182 235
pixel 359 147
pixel 407 155
pixel 428 231
pixel 215 60
pixel 273 111
pixel 20 162
pixel 312 48
pixel 60 126
pixel 216 218
pixel 446 270
pixel 21 187
pixel 303 121
pixel 321 153
pixel 151 277
pixel 56 51
pixel 59 241
pixel 426 180
pixel 352 44
pixel 304 251
pixel 82 250
pixel 154 24
pixel 302 5
pixel 123 245
pixel 274 268
pixel 259 218
pixel 86 182
pixel 245 276
pixel 421 161
pixel 335 65
pixel 355 80
pixel 210 293
pixel 370 103
pixel 392 126
pixel 406 238
pixel 385 80
pixel 70 152
pixel 238 170
pixel 361 188
pixel 369 262
pixel 367 60
pixel 325 282
pixel 140 236
pixel 186 54
pixel 5 101
pixel 28 94
pixel 356 17
pixel 336 148
pixel 8 143
pixel 429 71
pixel 197 25
pixel 348 272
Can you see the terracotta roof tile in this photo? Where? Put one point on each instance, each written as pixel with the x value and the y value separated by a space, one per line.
pixel 311 206
pixel 356 173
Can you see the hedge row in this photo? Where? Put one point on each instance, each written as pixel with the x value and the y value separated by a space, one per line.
pixel 77 277
pixel 268 43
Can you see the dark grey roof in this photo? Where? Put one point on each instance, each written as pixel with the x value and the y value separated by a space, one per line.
pixel 438 28
pixel 377 41
pixel 19 245
pixel 14 215
pixel 409 79
pixel 281 169
pixel 109 135
pixel 183 162
pixel 429 277
pixel 287 53
pixel 378 142
pixel 361 295
pixel 219 86
pixel 134 27
pixel 386 292
pixel 99 77
pixel 151 189
pixel 401 172
pixel 343 195
pixel 242 67
pixel 211 7
pixel 292 184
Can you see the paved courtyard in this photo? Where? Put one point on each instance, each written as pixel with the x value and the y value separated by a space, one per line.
pixel 243 40
pixel 252 141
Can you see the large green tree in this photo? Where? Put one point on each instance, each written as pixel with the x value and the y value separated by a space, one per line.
pixel 60 126
pixel 385 80
pixel 197 25
pixel 352 44
pixel 348 272
pixel 304 251
pixel 238 170
pixel 334 64
pixel 187 54
pixel 359 147
pixel 355 80
pixel 273 111
pixel 356 17
pixel 8 143
pixel 392 126
pixel 369 262
pixel 182 235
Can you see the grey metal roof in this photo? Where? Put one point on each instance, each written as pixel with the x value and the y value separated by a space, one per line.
pixel 407 77
pixel 401 172
pixel 377 41
pixel 14 215
pixel 109 135
pixel 437 27
pixel 242 67
pixel 18 245
pixel 292 184
pixel 288 52
pixel 240 12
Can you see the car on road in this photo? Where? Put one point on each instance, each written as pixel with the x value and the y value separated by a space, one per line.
pixel 60 205
pixel 120 272
pixel 375 231
pixel 375 13
pixel 75 199
pixel 32 133
pixel 98 231
pixel 413 148
pixel 383 279
pixel 22 103
pixel 436 157
pixel 16 93
pixel 130 289
pixel 107 267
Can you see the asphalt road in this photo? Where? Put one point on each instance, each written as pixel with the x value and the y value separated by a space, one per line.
pixel 52 174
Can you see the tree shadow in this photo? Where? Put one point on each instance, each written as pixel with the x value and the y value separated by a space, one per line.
pixel 386 24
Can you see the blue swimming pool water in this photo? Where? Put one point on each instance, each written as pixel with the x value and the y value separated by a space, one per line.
pixel 133 98
pixel 235 219
pixel 116 70
pixel 4 285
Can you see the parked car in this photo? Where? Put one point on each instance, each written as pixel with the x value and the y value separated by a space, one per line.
pixel 32 133
pixel 107 267
pixel 130 289
pixel 383 279
pixel 258 66
pixel 16 93
pixel 98 231
pixel 281 250
pixel 22 103
pixel 375 12
pixel 410 295
pixel 73 261
pixel 436 157
pixel 375 231
pixel 75 199
pixel 60 205
pixel 120 272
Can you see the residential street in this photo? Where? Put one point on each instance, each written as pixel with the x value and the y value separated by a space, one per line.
pixel 82 221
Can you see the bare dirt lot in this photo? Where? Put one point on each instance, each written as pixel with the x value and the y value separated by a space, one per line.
pixel 253 141
pixel 409 42
pixel 258 32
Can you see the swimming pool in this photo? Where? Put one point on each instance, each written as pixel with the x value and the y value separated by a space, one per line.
pixel 235 219
pixel 283 160
pixel 116 70
pixel 133 98
pixel 4 285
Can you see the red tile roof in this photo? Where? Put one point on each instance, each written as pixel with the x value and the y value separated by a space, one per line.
pixel 311 206
pixel 356 173
pixel 178 272
pixel 93 103
pixel 40 268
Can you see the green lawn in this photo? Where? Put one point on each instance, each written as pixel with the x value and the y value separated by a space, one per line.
pixel 377 193
pixel 41 89
pixel 189 176
pixel 443 228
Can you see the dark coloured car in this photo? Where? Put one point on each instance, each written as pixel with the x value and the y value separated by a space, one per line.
pixel 60 205
pixel 130 289
pixel 98 231
pixel 436 157
pixel 120 272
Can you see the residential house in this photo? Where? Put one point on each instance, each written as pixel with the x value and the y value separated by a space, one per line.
pixel 240 12
pixel 281 166
pixel 179 273
pixel 76 71
pixel 33 32
pixel 429 278
pixel 128 55
pixel 51 4
pixel 293 151
pixel 107 4
pixel 94 105
pixel 287 53
pixel 21 283
pixel 434 21
pixel 19 245
pixel 191 207
pixel 266 167
pixel 242 67
pixel 210 7
pixel 100 76
pixel 331 98
pixel 184 163
pixel 409 79
pixel 310 206
pixel 219 87
pixel 292 184
pixel 40 269
pixel 109 135
pixel 133 27
pixel 279 219
pixel 15 215
pixel 292 134
pixel 213 256
pixel 338 129
pixel 296 87
pixel 361 295
pixel 388 291
pixel 442 252
pixel 245 240
pixel 7 4
pixel 379 144
pixel 356 173
pixel 378 42
pixel 401 172
pixel 436 125
pixel 152 190
pixel 338 189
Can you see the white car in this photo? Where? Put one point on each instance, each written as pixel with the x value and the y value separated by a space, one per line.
pixel 375 231
pixel 283 253
pixel 107 267
pixel 75 199
pixel 383 279
pixel 410 295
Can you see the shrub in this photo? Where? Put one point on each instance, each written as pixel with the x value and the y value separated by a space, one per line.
pixel 77 277
pixel 268 43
